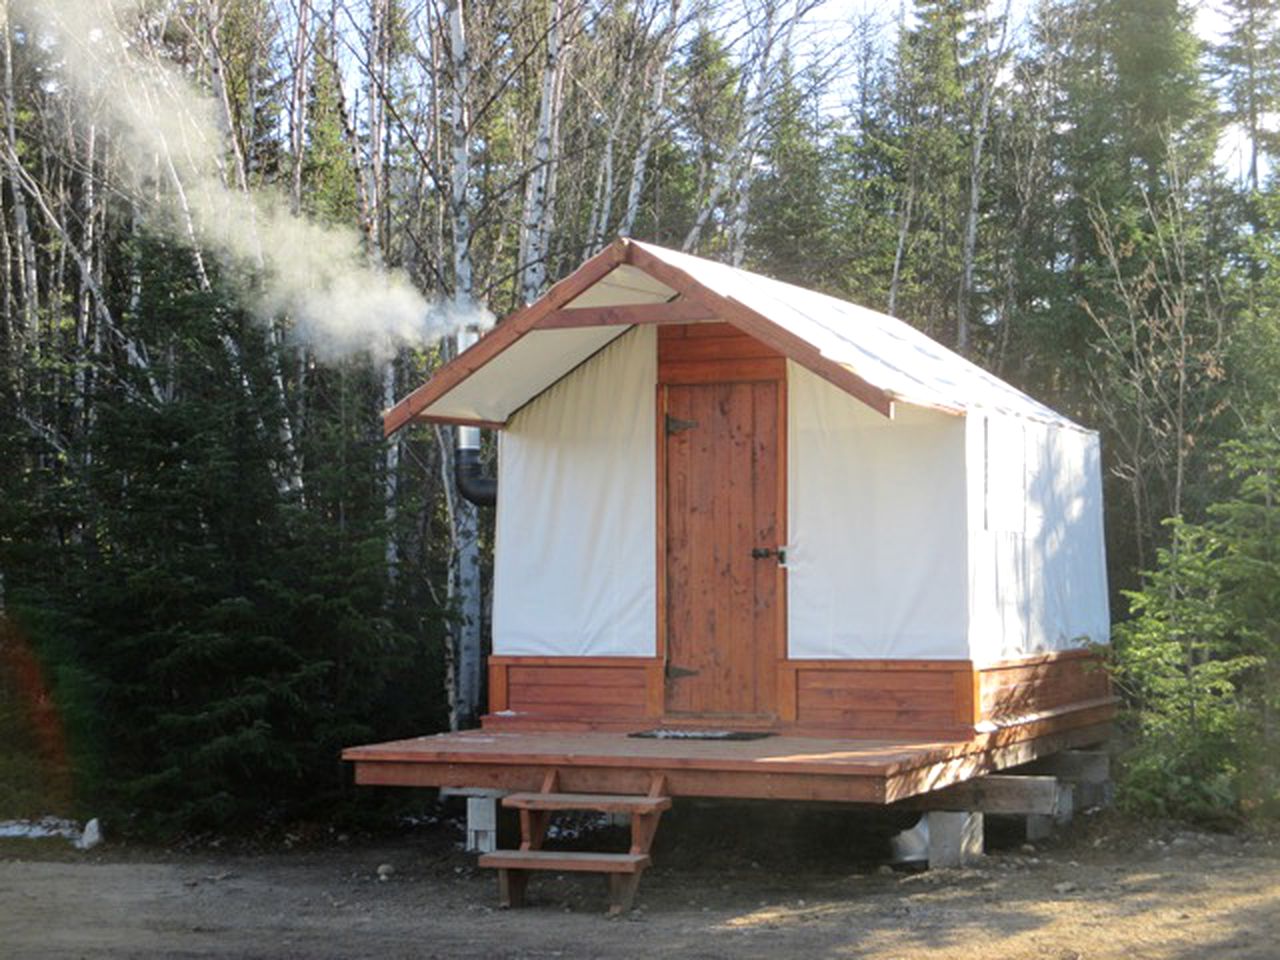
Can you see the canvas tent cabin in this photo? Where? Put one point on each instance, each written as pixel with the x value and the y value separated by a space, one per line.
pixel 725 500
pixel 726 503
pixel 756 542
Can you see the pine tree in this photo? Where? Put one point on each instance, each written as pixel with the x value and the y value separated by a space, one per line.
pixel 793 237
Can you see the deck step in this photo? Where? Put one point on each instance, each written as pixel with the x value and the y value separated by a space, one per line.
pixel 599 802
pixel 565 860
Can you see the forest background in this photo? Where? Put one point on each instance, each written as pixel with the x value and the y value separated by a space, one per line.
pixel 214 572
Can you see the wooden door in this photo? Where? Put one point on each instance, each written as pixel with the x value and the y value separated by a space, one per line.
pixel 723 492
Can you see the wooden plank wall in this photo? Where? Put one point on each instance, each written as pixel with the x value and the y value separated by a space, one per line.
pixel 858 698
pixel 881 698
pixel 1033 685
pixel 715 353
pixel 873 699
pixel 605 691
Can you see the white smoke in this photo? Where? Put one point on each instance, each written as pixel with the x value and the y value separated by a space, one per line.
pixel 171 147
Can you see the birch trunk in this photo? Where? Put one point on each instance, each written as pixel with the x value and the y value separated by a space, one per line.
pixel 290 479
pixel 24 246
pixel 649 123
pixel 900 250
pixel 6 287
pixel 298 103
pixel 84 308
pixel 378 55
pixel 217 70
pixel 602 201
pixel 768 69
pixel 465 588
pixel 135 352
pixel 742 154
pixel 540 188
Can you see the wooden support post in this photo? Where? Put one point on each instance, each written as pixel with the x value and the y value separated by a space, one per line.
pixel 511 887
pixel 534 823
pixel 533 828
pixel 643 827
pixel 955 837
pixel 622 891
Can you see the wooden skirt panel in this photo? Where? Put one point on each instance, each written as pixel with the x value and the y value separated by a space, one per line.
pixel 879 698
pixel 897 699
pixel 1031 685
pixel 611 690
pixel 892 699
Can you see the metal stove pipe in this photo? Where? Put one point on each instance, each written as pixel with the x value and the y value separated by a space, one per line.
pixel 468 475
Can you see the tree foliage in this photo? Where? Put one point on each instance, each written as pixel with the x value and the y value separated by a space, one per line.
pixel 227 571
pixel 1199 657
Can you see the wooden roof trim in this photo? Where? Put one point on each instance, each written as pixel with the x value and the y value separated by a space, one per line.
pixel 460 421
pixel 764 330
pixel 501 337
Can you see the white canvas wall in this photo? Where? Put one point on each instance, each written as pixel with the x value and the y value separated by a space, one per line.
pixel 927 536
pixel 1037 568
pixel 876 516
pixel 574 569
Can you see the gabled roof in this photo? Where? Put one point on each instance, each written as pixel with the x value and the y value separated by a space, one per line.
pixel 875 357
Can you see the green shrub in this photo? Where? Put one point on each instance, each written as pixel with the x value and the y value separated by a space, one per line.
pixel 1198 660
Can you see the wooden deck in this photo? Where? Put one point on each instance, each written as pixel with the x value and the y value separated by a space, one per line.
pixel 784 767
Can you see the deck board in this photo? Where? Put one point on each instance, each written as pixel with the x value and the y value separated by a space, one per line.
pixel 783 767
pixel 797 754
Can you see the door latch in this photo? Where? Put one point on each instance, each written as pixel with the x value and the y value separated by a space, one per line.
pixel 676 425
pixel 763 553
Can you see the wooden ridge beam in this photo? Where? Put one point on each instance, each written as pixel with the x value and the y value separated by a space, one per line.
pixel 625 315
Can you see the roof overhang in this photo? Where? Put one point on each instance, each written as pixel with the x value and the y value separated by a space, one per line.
pixel 624 285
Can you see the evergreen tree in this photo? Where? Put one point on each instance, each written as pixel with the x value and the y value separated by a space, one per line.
pixel 1201 656
pixel 1248 65
pixel 929 109
pixel 793 213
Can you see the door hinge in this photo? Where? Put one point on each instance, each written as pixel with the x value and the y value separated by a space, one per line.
pixel 675 673
pixel 676 425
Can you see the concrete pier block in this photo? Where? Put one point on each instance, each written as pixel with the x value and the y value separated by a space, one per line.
pixel 955 837
pixel 482 815
pixel 482 824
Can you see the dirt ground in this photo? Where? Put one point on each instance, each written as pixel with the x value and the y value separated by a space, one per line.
pixel 725 884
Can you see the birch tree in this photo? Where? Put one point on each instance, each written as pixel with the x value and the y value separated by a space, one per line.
pixel 465 575
pixel 540 188
pixel 651 119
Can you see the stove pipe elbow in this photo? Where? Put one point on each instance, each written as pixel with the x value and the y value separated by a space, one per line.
pixel 468 474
